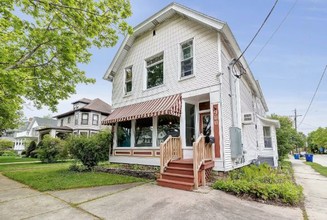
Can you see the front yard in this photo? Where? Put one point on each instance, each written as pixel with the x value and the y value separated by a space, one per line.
pixel 56 176
pixel 14 159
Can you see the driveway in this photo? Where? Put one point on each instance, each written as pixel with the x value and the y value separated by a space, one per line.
pixel 321 159
pixel 131 201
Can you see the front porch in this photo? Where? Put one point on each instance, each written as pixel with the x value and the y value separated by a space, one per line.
pixel 151 133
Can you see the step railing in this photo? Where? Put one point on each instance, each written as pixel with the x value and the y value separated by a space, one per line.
pixel 201 153
pixel 170 149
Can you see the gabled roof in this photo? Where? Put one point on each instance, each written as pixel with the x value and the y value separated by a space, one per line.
pixel 42 122
pixel 96 105
pixel 83 100
pixel 166 13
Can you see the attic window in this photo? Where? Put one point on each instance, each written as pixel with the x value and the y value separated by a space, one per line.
pixel 154 33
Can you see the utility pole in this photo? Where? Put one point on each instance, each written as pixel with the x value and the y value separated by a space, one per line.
pixel 295 124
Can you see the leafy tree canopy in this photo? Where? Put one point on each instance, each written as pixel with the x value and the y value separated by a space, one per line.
pixel 287 137
pixel 318 138
pixel 42 42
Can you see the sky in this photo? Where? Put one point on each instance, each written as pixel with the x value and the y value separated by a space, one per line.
pixel 288 68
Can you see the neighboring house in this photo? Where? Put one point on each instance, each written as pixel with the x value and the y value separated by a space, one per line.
pixel 84 119
pixel 30 132
pixel 177 75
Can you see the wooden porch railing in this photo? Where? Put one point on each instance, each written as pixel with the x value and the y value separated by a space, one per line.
pixel 170 149
pixel 201 153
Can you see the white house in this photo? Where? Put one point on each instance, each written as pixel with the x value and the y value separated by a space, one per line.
pixel 178 75
pixel 84 119
pixel 30 132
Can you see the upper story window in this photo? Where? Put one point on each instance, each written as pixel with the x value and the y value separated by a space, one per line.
pixel 76 118
pixel 128 80
pixel 95 119
pixel 68 120
pixel 85 118
pixel 62 122
pixel 187 58
pixel 267 137
pixel 154 68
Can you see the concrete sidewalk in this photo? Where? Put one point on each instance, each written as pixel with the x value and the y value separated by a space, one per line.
pixel 314 188
pixel 131 201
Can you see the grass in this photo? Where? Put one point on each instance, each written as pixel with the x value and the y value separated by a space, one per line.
pixel 319 168
pixel 263 183
pixel 130 166
pixel 47 177
pixel 12 159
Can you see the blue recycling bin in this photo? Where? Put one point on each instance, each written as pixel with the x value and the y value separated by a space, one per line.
pixel 296 156
pixel 309 157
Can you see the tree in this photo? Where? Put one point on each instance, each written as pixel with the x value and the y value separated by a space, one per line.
pixel 287 137
pixel 90 150
pixel 317 139
pixel 52 149
pixel 42 43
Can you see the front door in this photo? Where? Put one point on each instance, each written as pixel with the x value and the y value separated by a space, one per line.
pixel 205 124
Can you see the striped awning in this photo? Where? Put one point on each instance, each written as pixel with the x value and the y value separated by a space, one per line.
pixel 170 105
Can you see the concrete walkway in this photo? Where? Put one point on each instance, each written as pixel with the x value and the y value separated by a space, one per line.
pixel 314 188
pixel 131 201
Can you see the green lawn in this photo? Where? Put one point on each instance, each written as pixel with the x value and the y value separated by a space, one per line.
pixel 46 177
pixel 11 159
pixel 319 168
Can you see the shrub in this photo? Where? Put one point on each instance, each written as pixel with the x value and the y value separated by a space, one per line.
pixel 51 149
pixel 23 153
pixel 263 182
pixel 9 153
pixel 31 147
pixel 6 145
pixel 90 150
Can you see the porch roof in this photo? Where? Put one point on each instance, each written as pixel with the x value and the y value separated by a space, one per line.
pixel 170 105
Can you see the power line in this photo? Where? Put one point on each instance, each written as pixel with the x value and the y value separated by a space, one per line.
pixel 257 32
pixel 273 34
pixel 322 76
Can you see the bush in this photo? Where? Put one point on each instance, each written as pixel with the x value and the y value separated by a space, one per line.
pixel 51 149
pixel 31 147
pixel 6 145
pixel 90 150
pixel 263 182
pixel 8 153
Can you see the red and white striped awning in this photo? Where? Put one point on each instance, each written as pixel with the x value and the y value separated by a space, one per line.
pixel 170 105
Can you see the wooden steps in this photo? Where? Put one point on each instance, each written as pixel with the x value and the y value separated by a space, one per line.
pixel 179 174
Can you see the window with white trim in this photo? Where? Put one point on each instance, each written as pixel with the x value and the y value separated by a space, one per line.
pixel 154 68
pixel 95 119
pixel 187 58
pixel 128 80
pixel 267 137
pixel 85 118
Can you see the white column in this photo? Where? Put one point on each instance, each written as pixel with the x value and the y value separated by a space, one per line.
pixel 133 124
pixel 154 131
pixel 182 124
pixel 115 128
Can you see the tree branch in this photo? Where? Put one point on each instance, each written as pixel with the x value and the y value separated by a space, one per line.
pixel 25 57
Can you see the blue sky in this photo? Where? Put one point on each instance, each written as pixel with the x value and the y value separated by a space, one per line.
pixel 288 68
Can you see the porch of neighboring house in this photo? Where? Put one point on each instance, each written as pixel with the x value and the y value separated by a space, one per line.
pixel 60 132
pixel 172 132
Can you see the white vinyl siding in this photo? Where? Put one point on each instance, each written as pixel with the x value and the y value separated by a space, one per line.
pixel 169 36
